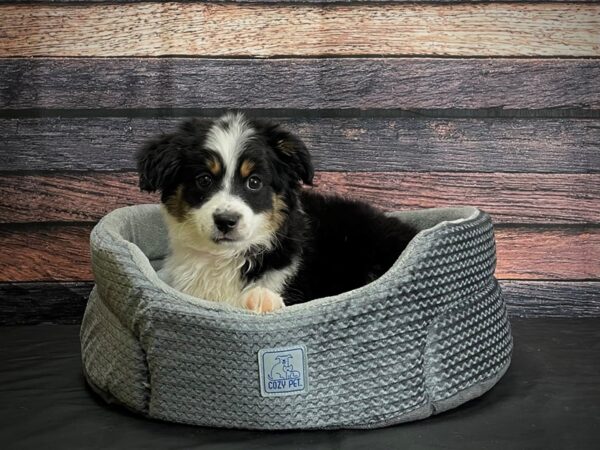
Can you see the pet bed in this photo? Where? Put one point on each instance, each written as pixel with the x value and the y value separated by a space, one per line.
pixel 429 335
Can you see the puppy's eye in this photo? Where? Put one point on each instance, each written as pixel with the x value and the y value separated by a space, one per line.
pixel 254 183
pixel 203 181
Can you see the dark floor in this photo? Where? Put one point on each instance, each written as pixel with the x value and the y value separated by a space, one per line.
pixel 549 399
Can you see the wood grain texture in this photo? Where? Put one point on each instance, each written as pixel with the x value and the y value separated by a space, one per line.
pixel 53 253
pixel 209 29
pixel 82 197
pixel 509 198
pixel 552 299
pixel 35 303
pixel 549 254
pixel 311 84
pixel 294 1
pixel 61 253
pixel 402 144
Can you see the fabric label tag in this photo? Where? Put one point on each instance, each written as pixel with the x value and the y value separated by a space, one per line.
pixel 283 371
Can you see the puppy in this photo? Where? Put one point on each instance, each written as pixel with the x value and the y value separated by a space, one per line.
pixel 241 228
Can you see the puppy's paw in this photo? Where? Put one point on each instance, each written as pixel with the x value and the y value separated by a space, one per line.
pixel 261 300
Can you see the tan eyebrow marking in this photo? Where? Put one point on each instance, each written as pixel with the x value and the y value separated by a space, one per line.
pixel 246 168
pixel 214 166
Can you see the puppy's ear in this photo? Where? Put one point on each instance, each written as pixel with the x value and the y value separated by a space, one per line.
pixel 158 163
pixel 293 153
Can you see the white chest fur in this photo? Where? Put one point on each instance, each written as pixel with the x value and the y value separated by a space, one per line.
pixel 204 275
pixel 200 268
pixel 218 278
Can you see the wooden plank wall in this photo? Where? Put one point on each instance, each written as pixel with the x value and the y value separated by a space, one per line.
pixel 407 104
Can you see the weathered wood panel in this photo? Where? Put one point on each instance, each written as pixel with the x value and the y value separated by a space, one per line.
pixel 401 144
pixel 157 29
pixel 34 303
pixel 549 254
pixel 311 84
pixel 82 197
pixel 510 198
pixel 61 253
pixel 55 253
pixel 298 1
pixel 552 299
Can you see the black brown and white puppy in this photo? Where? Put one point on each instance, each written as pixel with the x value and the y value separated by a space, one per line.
pixel 241 228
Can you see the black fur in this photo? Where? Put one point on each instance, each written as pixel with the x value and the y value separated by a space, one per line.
pixel 177 159
pixel 174 159
pixel 341 244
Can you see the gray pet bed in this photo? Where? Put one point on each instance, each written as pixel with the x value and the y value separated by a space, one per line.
pixel 428 335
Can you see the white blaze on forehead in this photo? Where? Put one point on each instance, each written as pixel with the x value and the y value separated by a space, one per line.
pixel 227 137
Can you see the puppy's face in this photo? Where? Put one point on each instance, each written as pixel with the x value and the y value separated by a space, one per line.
pixel 227 184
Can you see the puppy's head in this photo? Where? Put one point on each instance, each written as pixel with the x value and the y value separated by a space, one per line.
pixel 227 185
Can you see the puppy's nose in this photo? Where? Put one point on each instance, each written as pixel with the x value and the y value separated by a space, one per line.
pixel 226 221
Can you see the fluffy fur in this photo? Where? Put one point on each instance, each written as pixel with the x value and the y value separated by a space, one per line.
pixel 241 228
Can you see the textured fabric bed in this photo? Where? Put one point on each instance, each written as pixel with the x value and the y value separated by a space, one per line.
pixel 549 399
pixel 427 336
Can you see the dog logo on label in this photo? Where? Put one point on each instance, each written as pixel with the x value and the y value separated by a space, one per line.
pixel 283 371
